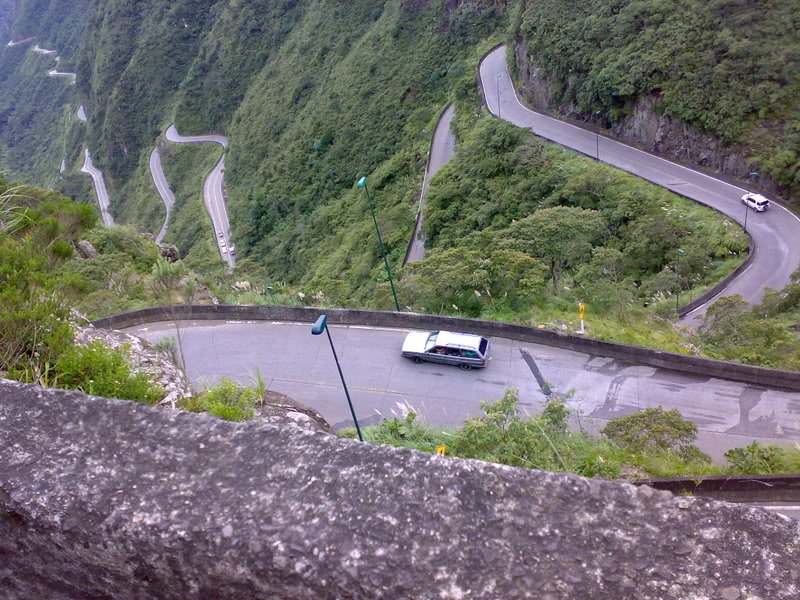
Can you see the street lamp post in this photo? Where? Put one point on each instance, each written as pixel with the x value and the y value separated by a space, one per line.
pixel 597 138
pixel 362 183
pixel 749 185
pixel 681 252
pixel 320 326
pixel 498 95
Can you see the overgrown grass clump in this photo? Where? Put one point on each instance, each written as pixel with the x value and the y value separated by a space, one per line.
pixel 102 371
pixel 228 400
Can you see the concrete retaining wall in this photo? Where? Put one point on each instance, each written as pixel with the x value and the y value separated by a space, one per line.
pixel 109 499
pixel 771 378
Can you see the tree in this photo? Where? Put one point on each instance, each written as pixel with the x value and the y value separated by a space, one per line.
pixel 561 236
pixel 655 429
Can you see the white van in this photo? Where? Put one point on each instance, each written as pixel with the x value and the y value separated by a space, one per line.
pixel 755 201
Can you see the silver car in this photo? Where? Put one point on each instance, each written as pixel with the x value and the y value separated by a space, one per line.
pixel 462 349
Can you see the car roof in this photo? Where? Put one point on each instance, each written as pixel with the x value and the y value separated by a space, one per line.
pixel 465 340
pixel 757 197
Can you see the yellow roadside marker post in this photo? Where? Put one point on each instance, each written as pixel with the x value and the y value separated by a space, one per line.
pixel 581 316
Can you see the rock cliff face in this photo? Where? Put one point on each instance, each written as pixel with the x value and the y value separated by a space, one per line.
pixel 645 126
pixel 108 499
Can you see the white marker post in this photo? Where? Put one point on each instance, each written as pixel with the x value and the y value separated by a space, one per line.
pixel 581 315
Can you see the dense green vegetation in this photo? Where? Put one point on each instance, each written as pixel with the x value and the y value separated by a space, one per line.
pixel 760 335
pixel 730 67
pixel 39 230
pixel 514 222
pixel 650 443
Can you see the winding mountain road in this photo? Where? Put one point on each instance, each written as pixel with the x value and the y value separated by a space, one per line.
pixel 99 188
pixel 167 196
pixel 56 73
pixel 12 43
pixel 775 233
pixel 442 149
pixel 213 188
pixel 45 51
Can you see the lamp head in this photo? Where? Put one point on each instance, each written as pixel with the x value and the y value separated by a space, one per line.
pixel 320 325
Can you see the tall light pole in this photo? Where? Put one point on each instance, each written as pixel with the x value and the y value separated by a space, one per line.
pixel 362 183
pixel 320 326
pixel 597 138
pixel 681 252
pixel 747 206
pixel 498 95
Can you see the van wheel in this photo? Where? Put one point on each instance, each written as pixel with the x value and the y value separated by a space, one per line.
pixel 416 360
pixel 465 367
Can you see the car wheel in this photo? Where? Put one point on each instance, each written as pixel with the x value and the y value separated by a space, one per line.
pixel 465 367
pixel 416 360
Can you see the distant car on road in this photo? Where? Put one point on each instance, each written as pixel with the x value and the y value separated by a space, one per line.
pixel 220 235
pixel 232 248
pixel 756 201
pixel 462 349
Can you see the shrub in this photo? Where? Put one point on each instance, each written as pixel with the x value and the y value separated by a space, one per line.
pixel 406 432
pixel 102 371
pixel 756 458
pixel 655 429
pixel 168 345
pixel 229 400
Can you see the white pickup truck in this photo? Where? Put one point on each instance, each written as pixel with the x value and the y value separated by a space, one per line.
pixel 755 201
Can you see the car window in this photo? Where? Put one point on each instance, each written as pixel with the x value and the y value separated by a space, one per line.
pixel 469 354
pixel 440 350
pixel 431 341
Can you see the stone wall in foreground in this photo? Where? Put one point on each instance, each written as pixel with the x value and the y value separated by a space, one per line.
pixel 103 498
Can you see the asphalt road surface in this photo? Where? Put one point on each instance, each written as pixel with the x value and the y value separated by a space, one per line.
pixel 163 190
pixel 56 73
pixel 383 384
pixel 39 50
pixel 11 44
pixel 443 146
pixel 775 233
pixel 81 114
pixel 213 189
pixel 99 188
